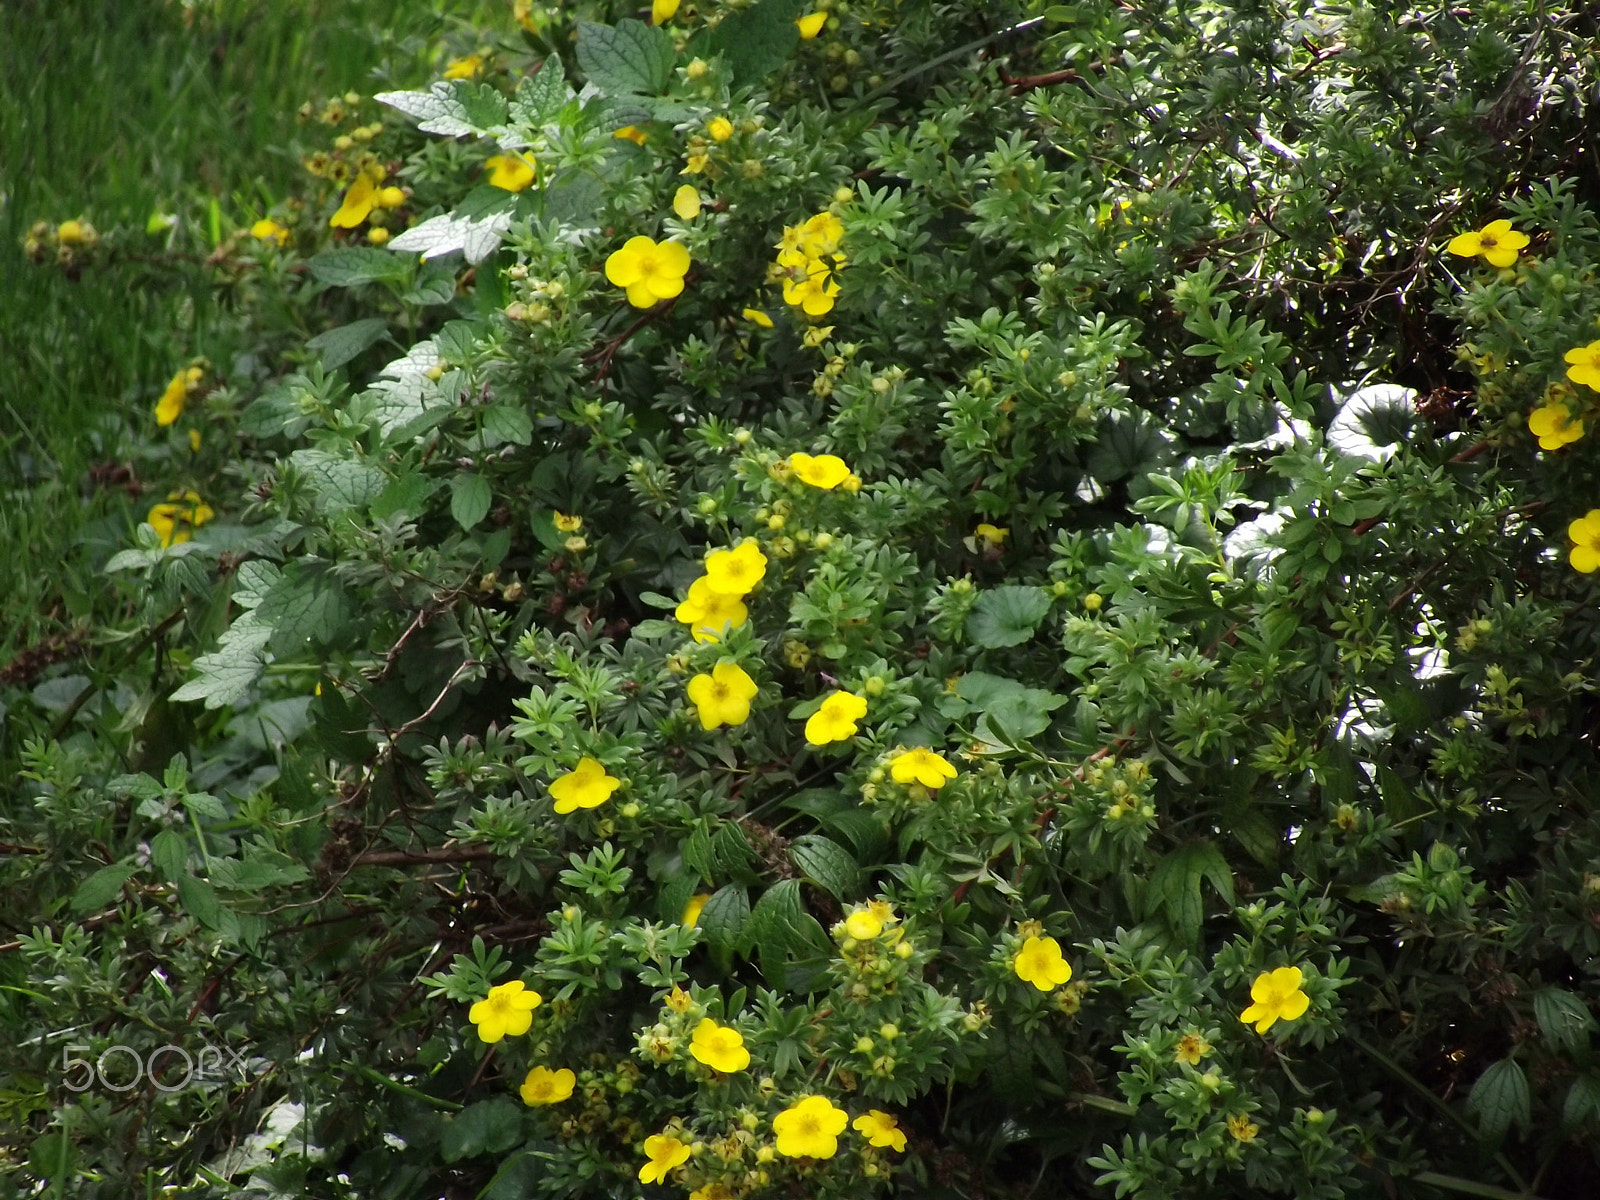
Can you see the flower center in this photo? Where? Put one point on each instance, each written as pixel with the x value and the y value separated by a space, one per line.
pixel 1487 241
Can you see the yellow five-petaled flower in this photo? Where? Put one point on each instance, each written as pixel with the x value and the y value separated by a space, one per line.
pixel 1497 242
pixel 665 1154
pixel 881 1130
pixel 1277 997
pixel 510 172
pixel 648 271
pixel 1040 963
pixel 921 765
pixel 1585 535
pixel 810 1128
pixel 826 471
pixel 723 697
pixel 735 572
pixel 836 720
pixel 1584 365
pixel 708 613
pixel 544 1086
pixel 507 1011
pixel 587 787
pixel 173 521
pixel 719 1047
pixel 1554 426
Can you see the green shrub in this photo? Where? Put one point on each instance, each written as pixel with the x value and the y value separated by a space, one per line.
pixel 1024 582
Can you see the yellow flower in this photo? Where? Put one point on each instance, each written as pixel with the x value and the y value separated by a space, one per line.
pixel 814 294
pixel 718 1047
pixel 510 172
pixel 378 235
pixel 692 910
pixel 863 925
pixel 756 316
pixel 391 197
pixel 1585 368
pixel 464 68
pixel 723 697
pixel 544 1086
pixel 648 271
pixel 810 1128
pixel 173 521
pixel 852 483
pixel 1554 426
pixel 662 10
pixel 358 201
pixel 665 1153
pixel 71 233
pixel 696 164
pixel 816 335
pixel 836 720
pixel 1585 533
pixel 735 572
pixel 678 1000
pixel 632 133
pixel 720 129
pixel 879 1128
pixel 821 234
pixel 506 1012
pixel 686 202
pixel 269 230
pixel 708 613
pixel 811 24
pixel 921 765
pixel 1277 997
pixel 1039 962
pixel 568 524
pixel 883 910
pixel 825 471
pixel 992 534
pixel 1191 1049
pixel 1496 241
pixel 587 787
pixel 170 407
pixel 1242 1127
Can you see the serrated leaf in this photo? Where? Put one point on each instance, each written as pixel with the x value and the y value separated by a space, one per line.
pixel 628 58
pixel 435 284
pixel 1129 445
pixel 199 898
pixel 469 499
pixel 226 674
pixel 308 605
pixel 542 95
pixel 492 1127
pixel 339 346
pixel 826 863
pixel 725 918
pixel 1174 887
pixel 475 237
pixel 407 494
pixel 730 851
pixel 451 107
pixel 1500 1097
pixel 1007 616
pixel 758 40
pixel 1564 1019
pixel 347 266
pixel 140 787
pixel 338 481
pixel 1583 1101
pixel 100 888
pixel 508 423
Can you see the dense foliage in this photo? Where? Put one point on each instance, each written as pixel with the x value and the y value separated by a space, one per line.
pixel 981 599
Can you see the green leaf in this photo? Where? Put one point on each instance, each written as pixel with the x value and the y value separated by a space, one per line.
pixel 1500 1097
pixel 1007 616
pixel 1174 887
pixel 1129 445
pixel 475 237
pixel 435 284
pixel 758 40
pixel 826 863
pixel 339 346
pixel 407 494
pixel 542 95
pixel 628 58
pixel 469 499
pixel 1564 1019
pixel 451 107
pixel 508 423
pixel 101 888
pixel 492 1127
pixel 725 919
pixel 170 853
pixel 782 932
pixel 200 899
pixel 338 480
pixel 346 266
pixel 1583 1101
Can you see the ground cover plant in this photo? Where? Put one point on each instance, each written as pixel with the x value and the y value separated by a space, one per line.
pixel 909 599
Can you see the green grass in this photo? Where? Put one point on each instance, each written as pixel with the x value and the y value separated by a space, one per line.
pixel 112 111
